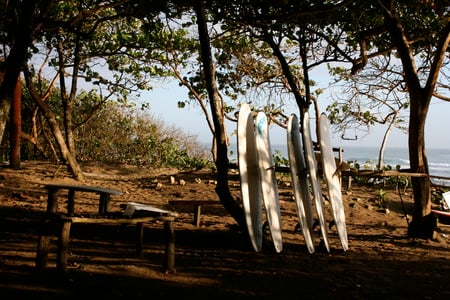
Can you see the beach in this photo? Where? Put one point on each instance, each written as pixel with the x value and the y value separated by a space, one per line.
pixel 214 260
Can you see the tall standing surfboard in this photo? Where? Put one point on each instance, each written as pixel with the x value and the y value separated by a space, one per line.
pixel 268 181
pixel 311 162
pixel 249 175
pixel 299 177
pixel 331 174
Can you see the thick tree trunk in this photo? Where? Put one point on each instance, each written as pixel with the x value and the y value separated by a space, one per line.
pixel 15 126
pixel 423 222
pixel 222 189
pixel 16 58
pixel 5 108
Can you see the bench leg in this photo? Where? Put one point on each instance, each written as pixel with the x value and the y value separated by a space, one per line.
pixel 104 204
pixel 42 252
pixel 169 254
pixel 63 247
pixel 71 202
pixel 43 245
pixel 197 213
pixel 139 239
pixel 52 201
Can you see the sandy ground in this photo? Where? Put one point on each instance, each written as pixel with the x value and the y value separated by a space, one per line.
pixel 213 261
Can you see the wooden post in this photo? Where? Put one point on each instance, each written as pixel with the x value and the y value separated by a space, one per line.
pixel 197 213
pixel 43 245
pixel 52 202
pixel 139 239
pixel 63 246
pixel 104 203
pixel 349 182
pixel 71 202
pixel 169 255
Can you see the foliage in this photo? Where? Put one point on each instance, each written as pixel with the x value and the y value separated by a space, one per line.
pixel 382 198
pixel 279 159
pixel 127 135
pixel 115 133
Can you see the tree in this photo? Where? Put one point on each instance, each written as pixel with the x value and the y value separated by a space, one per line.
pixel 418 33
pixel 374 96
pixel 221 162
pixel 15 127
pixel 20 23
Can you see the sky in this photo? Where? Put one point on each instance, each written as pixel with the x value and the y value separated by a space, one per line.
pixel 190 119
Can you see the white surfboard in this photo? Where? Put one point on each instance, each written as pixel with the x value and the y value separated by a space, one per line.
pixel 132 207
pixel 249 175
pixel 299 177
pixel 311 163
pixel 331 174
pixel 268 181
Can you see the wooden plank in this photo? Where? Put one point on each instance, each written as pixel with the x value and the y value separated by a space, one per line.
pixel 169 253
pixel 83 188
pixel 130 221
pixel 63 247
pixel 387 173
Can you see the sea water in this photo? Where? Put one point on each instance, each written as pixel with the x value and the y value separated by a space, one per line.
pixel 367 157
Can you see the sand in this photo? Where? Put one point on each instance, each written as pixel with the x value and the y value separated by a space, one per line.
pixel 214 260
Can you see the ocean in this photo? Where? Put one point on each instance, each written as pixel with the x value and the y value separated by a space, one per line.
pixel 367 158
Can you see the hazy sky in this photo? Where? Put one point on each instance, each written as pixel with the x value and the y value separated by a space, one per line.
pixel 163 102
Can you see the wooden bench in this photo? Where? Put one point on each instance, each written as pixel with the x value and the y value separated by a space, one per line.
pixel 105 196
pixel 60 225
pixel 197 204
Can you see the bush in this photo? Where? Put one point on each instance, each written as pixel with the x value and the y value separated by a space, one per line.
pixel 114 133
pixel 130 136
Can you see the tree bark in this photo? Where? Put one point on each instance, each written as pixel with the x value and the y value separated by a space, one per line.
pixel 57 133
pixel 22 38
pixel 222 188
pixel 423 222
pixel 15 127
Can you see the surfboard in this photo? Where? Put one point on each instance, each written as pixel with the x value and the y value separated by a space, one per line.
pixel 132 208
pixel 268 181
pixel 251 193
pixel 446 198
pixel 299 177
pixel 331 175
pixel 311 163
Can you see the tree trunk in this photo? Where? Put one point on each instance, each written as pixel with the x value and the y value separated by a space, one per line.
pixel 68 99
pixel 380 163
pixel 17 57
pixel 66 155
pixel 423 222
pixel 217 113
pixel 15 127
